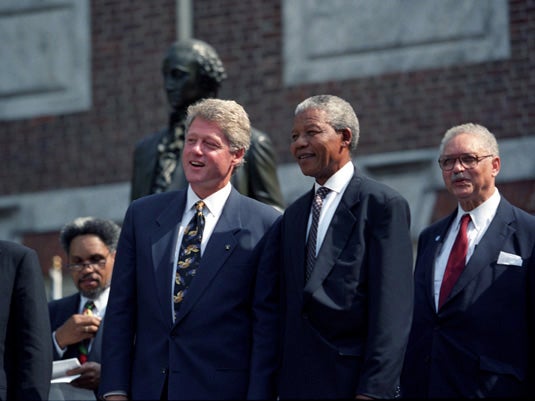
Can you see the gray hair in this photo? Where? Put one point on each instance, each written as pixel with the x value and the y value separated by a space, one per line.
pixel 484 138
pixel 211 69
pixel 106 230
pixel 340 114
pixel 231 118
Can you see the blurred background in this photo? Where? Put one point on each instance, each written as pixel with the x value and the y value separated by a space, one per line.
pixel 80 84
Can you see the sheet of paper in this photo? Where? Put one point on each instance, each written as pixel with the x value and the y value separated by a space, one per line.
pixel 60 368
pixel 67 392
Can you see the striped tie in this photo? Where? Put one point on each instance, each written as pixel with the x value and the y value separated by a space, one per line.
pixel 317 204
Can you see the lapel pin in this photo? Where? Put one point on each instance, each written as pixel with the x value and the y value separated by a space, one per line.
pixel 227 247
pixel 437 238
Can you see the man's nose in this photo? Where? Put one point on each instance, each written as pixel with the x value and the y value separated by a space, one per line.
pixel 457 165
pixel 300 140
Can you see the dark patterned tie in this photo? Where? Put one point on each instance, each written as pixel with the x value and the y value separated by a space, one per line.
pixel 189 256
pixel 456 261
pixel 83 346
pixel 317 203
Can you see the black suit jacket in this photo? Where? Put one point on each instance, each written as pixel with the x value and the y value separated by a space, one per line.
pixel 481 342
pixel 62 309
pixel 345 331
pixel 257 178
pixel 25 350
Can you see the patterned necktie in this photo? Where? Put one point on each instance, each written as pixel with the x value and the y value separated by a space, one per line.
pixel 189 256
pixel 456 261
pixel 83 346
pixel 317 203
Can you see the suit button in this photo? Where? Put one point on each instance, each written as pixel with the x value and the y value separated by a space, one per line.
pixel 304 315
pixel 164 371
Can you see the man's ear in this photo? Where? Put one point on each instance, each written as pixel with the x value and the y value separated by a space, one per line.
pixel 238 156
pixel 346 136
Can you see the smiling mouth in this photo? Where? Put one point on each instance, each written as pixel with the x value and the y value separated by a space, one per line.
pixel 196 164
pixel 305 156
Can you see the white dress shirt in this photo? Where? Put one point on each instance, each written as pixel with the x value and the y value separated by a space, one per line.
pixel 337 184
pixel 481 217
pixel 213 208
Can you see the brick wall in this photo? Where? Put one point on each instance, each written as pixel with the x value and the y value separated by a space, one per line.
pixel 95 147
pixel 397 111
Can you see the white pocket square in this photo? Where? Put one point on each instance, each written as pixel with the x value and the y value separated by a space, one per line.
pixel 506 258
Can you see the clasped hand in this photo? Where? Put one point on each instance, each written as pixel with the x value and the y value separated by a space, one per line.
pixel 77 328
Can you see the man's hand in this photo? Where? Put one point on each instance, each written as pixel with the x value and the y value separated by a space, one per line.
pixel 89 375
pixel 77 328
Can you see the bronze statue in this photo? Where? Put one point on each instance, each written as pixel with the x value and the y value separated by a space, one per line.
pixel 192 70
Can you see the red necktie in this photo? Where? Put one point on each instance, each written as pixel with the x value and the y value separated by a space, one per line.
pixel 456 261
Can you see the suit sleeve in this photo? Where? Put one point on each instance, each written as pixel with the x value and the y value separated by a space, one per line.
pixel 390 298
pixel 266 318
pixel 30 332
pixel 119 330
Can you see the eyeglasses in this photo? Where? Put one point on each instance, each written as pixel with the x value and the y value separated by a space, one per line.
pixel 97 262
pixel 467 161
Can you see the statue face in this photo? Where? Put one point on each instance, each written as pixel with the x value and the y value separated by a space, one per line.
pixel 181 79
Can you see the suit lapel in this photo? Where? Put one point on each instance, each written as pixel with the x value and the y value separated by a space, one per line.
pixel 218 249
pixel 163 241
pixel 336 237
pixel 94 354
pixel 429 257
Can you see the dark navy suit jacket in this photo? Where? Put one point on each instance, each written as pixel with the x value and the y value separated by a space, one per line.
pixel 223 342
pixel 345 331
pixel 481 342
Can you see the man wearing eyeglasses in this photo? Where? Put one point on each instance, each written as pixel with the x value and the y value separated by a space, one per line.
pixel 76 320
pixel 474 310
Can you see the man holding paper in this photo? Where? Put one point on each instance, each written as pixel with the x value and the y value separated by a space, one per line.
pixel 76 320
pixel 474 310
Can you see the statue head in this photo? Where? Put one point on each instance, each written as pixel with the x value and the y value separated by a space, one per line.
pixel 192 70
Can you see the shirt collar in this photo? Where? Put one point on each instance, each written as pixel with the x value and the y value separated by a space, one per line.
pixel 483 213
pixel 100 302
pixel 339 180
pixel 214 203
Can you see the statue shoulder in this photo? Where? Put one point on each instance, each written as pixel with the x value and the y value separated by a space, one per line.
pixel 151 140
pixel 260 138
